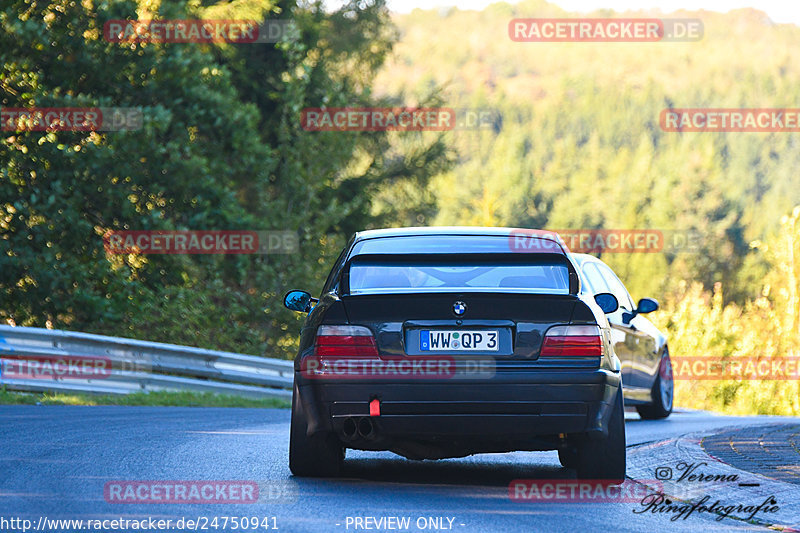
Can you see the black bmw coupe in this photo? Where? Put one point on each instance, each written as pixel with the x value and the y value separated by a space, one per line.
pixel 445 342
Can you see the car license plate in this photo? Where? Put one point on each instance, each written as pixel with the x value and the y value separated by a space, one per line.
pixel 460 340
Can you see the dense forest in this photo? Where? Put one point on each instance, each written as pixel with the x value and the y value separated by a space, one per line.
pixel 577 144
pixel 221 147
pixel 574 141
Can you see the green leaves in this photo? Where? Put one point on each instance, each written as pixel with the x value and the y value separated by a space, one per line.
pixel 220 147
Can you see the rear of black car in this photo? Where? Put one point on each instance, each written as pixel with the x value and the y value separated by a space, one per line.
pixel 439 343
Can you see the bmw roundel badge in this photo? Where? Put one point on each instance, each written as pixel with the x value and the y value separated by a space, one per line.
pixel 459 308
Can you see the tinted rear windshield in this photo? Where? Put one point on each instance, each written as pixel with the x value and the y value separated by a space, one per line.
pixel 372 277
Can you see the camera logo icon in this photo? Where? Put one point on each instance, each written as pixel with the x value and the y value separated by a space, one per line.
pixel 663 473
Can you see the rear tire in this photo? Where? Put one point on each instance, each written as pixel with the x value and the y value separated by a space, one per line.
pixel 320 455
pixel 604 459
pixel 568 457
pixel 662 392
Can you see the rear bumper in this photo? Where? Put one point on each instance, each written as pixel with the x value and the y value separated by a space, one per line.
pixel 519 410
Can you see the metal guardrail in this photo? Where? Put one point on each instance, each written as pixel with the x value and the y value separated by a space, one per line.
pixel 135 366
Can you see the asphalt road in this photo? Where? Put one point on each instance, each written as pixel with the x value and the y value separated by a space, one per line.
pixel 56 461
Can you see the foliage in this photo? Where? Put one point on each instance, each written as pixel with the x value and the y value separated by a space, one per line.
pixel 577 144
pixel 155 398
pixel 221 148
pixel 766 328
pixel 574 142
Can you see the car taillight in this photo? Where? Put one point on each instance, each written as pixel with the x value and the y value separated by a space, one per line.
pixel 572 341
pixel 345 341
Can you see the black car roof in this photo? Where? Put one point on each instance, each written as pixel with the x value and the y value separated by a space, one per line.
pixel 514 240
pixel 439 230
pixel 518 240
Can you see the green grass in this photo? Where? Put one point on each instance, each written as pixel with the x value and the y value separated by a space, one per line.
pixel 155 398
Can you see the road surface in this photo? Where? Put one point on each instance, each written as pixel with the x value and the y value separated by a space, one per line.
pixel 56 462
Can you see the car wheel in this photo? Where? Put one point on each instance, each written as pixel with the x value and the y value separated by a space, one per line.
pixel 320 455
pixel 568 457
pixel 662 393
pixel 604 459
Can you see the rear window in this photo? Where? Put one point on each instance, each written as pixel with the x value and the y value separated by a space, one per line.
pixel 368 277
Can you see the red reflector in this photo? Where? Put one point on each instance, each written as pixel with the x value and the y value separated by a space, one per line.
pixel 375 407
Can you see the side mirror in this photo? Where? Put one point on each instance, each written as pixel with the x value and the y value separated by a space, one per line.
pixel 646 305
pixel 298 301
pixel 607 302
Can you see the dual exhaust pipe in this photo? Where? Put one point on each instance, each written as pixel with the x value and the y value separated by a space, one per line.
pixel 354 427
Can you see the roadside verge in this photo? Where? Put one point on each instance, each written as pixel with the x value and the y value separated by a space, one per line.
pixel 685 473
